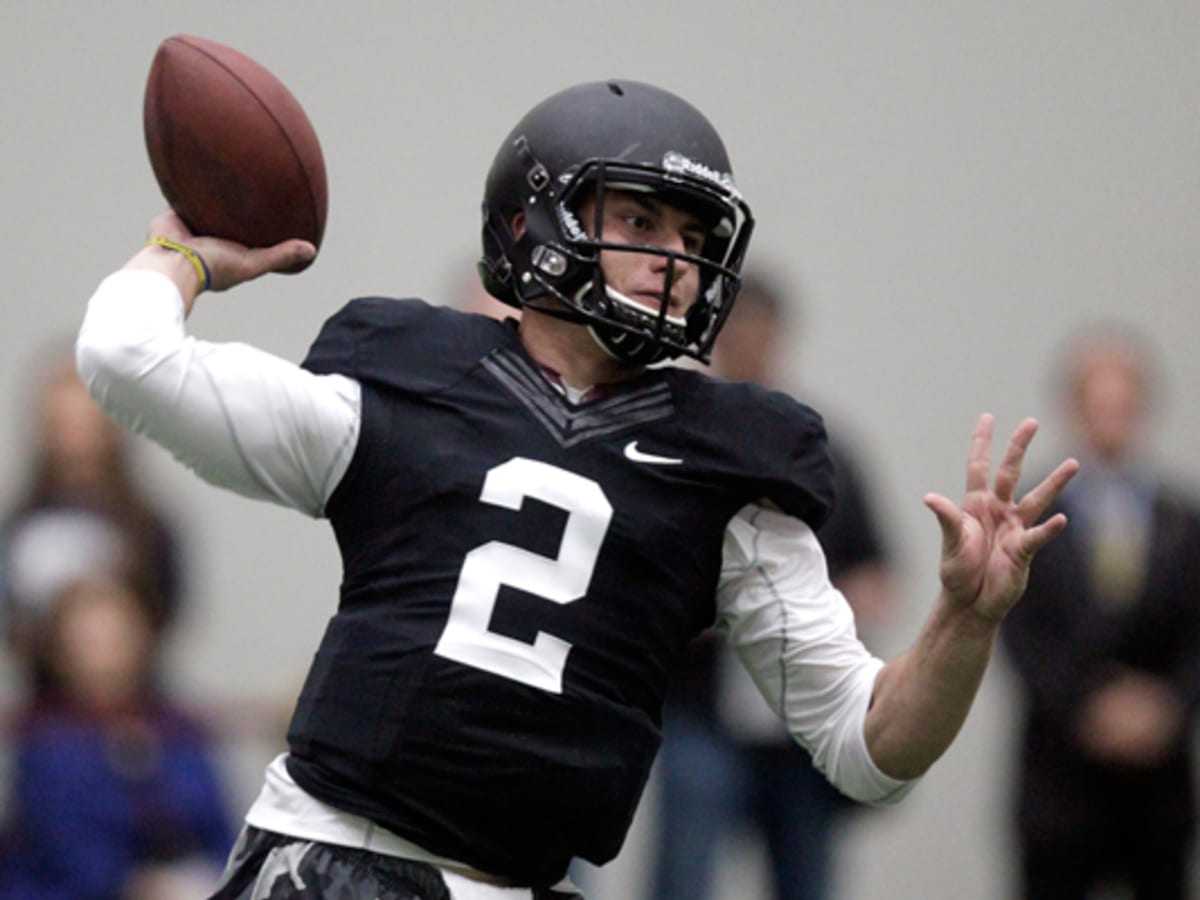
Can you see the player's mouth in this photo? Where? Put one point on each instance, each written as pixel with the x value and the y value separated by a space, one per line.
pixel 652 300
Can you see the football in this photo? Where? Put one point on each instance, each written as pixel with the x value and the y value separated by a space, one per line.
pixel 232 149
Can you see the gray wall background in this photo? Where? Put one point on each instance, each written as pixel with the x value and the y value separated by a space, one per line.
pixel 953 187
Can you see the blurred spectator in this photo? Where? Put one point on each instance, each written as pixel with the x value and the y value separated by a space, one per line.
pixel 80 511
pixel 726 759
pixel 1106 644
pixel 114 790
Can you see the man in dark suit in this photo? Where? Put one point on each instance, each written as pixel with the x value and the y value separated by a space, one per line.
pixel 1107 647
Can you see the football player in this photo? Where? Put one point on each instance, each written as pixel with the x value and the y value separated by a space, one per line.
pixel 534 521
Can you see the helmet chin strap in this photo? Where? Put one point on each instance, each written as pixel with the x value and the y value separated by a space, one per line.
pixel 556 310
pixel 616 342
pixel 625 345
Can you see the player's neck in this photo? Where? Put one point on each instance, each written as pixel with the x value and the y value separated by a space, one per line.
pixel 571 351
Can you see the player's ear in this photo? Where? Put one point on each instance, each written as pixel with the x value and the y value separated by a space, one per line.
pixel 518 226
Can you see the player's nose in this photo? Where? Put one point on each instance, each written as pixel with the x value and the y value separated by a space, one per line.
pixel 672 263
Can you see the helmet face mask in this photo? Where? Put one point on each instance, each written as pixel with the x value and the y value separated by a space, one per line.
pixel 587 142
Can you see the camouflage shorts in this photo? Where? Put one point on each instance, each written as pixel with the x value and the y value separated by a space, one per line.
pixel 269 866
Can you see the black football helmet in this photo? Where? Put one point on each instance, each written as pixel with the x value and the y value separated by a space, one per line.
pixel 580 142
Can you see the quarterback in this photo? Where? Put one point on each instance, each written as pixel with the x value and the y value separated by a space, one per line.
pixel 535 519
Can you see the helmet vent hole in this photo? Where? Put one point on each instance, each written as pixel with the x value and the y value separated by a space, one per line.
pixel 616 89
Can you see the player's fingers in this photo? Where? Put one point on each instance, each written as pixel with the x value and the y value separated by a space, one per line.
pixel 949 518
pixel 1039 536
pixel 168 224
pixel 1039 499
pixel 979 456
pixel 278 258
pixel 1009 471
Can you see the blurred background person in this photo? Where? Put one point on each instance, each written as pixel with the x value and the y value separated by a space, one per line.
pixel 114 794
pixel 727 763
pixel 80 510
pixel 111 790
pixel 1106 644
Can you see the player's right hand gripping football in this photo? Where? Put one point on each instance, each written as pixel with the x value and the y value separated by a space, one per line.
pixel 223 264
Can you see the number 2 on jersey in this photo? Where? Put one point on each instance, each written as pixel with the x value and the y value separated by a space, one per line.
pixel 562 579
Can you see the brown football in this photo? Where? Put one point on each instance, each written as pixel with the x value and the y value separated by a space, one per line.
pixel 233 151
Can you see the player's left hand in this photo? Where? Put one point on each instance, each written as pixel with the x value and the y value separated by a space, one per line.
pixel 989 542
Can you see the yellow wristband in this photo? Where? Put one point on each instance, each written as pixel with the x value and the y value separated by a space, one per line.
pixel 193 257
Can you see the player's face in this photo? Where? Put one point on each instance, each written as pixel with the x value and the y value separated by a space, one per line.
pixel 636 218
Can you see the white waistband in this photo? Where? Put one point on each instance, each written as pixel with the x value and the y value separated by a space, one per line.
pixel 286 808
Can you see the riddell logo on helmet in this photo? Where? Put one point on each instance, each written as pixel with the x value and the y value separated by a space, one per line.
pixel 674 161
pixel 570 224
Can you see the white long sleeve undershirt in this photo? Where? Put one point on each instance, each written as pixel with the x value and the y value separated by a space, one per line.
pixel 239 417
pixel 259 425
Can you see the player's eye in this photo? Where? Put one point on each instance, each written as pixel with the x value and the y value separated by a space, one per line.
pixel 637 222
pixel 693 242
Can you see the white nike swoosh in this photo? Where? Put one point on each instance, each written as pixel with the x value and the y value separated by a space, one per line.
pixel 632 452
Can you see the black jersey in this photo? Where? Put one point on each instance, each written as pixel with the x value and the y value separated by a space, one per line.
pixel 520 575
